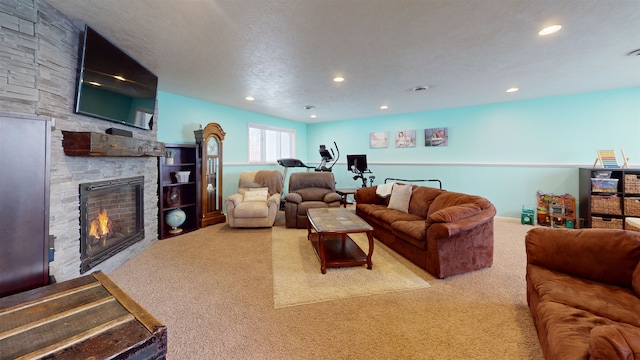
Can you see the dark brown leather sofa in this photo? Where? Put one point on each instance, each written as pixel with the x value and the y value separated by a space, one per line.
pixel 583 290
pixel 446 233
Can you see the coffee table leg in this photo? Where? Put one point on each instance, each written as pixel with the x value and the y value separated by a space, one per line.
pixel 370 236
pixel 323 260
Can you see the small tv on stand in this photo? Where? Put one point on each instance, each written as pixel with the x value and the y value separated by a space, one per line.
pixel 359 161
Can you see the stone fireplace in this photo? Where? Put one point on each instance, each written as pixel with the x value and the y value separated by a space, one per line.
pixel 39 70
pixel 111 218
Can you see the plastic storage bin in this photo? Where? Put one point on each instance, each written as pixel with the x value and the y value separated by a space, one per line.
pixel 604 185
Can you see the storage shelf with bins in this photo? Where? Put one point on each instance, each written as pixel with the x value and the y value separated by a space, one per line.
pixel 174 194
pixel 609 206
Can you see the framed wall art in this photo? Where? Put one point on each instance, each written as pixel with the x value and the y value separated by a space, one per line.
pixel 405 138
pixel 378 139
pixel 436 137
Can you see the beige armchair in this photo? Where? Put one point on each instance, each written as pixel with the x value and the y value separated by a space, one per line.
pixel 258 199
pixel 308 190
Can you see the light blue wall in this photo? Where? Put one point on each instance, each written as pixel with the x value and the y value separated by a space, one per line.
pixel 179 117
pixel 505 152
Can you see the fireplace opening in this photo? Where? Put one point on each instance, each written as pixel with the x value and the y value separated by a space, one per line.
pixel 111 218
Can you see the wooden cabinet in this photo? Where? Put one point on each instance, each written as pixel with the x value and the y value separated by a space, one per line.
pixel 209 142
pixel 606 203
pixel 24 193
pixel 178 190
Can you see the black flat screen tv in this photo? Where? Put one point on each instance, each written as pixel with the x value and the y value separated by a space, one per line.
pixel 112 85
pixel 359 161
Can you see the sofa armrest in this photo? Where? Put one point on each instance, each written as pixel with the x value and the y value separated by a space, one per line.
pixel 331 197
pixel 458 226
pixel 368 195
pixel 453 213
pixel 293 198
pixel 614 342
pixel 273 199
pixel 603 255
pixel 234 200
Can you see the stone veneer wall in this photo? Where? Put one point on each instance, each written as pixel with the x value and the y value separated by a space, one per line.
pixel 39 49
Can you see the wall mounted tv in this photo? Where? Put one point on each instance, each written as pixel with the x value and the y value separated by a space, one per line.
pixel 112 85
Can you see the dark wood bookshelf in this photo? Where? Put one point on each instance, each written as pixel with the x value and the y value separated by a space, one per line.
pixel 185 158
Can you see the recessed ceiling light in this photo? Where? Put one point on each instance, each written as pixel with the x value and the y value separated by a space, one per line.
pixel 549 30
pixel 338 79
pixel 249 98
pixel 313 116
pixel 309 107
pixel 384 107
pixel 513 89
pixel 119 78
pixel 94 83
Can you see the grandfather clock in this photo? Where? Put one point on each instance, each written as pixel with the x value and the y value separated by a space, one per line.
pixel 209 142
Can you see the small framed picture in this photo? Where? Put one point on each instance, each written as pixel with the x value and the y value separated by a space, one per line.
pixel 405 138
pixel 436 137
pixel 378 139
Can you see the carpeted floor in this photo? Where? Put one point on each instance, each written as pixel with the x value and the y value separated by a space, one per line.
pixel 213 288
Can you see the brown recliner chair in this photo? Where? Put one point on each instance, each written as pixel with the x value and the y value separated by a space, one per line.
pixel 308 190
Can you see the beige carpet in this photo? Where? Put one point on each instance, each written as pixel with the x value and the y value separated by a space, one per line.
pixel 213 288
pixel 297 278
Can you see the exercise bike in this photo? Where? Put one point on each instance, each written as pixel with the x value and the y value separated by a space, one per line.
pixel 357 164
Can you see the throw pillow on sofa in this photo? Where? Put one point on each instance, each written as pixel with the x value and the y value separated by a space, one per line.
pixel 258 195
pixel 400 196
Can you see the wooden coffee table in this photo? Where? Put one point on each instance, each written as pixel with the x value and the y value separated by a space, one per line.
pixel 328 230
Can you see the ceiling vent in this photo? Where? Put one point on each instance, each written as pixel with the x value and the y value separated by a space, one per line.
pixel 420 88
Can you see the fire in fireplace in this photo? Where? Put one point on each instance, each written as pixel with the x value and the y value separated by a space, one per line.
pixel 111 218
pixel 100 227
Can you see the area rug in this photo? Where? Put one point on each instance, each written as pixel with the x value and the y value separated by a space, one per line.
pixel 297 279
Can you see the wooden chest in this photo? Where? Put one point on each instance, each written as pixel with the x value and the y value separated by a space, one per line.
pixel 85 318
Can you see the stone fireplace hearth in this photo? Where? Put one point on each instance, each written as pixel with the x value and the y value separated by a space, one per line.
pixel 68 175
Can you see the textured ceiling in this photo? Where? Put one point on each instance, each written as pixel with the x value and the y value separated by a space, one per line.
pixel 285 53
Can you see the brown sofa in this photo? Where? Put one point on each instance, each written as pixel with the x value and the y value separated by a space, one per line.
pixel 446 233
pixel 308 190
pixel 583 290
